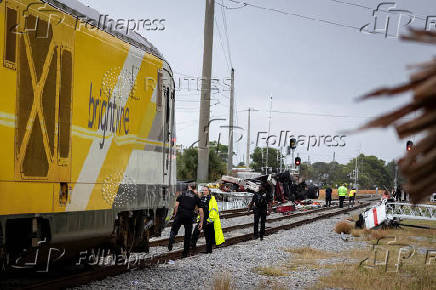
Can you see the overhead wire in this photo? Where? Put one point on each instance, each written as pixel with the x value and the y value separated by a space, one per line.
pixel 299 15
pixel 222 46
pixel 372 8
pixel 224 16
pixel 318 114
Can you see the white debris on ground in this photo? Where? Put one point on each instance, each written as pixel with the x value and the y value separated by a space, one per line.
pixel 238 261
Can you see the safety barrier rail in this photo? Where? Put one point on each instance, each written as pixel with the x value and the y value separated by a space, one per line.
pixel 410 211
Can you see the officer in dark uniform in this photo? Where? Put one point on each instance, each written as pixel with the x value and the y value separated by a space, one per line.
pixel 209 232
pixel 261 205
pixel 184 211
pixel 328 196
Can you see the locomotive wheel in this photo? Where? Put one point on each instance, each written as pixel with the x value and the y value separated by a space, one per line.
pixel 2 260
pixel 130 234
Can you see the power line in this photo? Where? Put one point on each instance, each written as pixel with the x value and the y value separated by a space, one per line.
pixel 322 114
pixel 319 114
pixel 193 101
pixel 221 42
pixel 223 13
pixel 185 75
pixel 213 89
pixel 370 8
pixel 325 21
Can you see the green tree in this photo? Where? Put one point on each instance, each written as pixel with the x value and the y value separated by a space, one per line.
pixel 372 171
pixel 241 165
pixel 221 150
pixel 259 158
pixel 187 163
pixel 390 167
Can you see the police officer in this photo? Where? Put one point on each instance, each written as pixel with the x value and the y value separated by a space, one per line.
pixel 186 204
pixel 261 202
pixel 212 226
pixel 328 196
pixel 204 204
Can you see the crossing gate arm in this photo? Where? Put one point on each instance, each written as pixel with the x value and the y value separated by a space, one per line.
pixel 402 210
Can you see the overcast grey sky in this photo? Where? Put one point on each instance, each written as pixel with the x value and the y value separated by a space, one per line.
pixel 308 66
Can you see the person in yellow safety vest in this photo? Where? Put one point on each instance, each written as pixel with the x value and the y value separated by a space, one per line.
pixel 342 192
pixel 212 227
pixel 351 197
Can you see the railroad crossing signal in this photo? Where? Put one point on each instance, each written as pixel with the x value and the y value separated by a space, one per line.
pixel 409 145
pixel 293 143
pixel 297 161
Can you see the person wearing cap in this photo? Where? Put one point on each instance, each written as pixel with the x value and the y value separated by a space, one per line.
pixel 186 203
pixel 261 204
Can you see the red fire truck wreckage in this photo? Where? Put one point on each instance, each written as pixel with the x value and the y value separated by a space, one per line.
pixel 287 193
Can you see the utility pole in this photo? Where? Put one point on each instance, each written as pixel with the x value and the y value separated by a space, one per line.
pixel 247 157
pixel 262 157
pixel 267 138
pixel 203 127
pixel 356 173
pixel 230 147
pixel 396 177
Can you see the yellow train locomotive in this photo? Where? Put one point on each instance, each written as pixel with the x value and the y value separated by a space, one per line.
pixel 87 126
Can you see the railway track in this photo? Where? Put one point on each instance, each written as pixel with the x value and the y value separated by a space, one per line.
pixel 164 242
pixel 232 213
pixel 100 273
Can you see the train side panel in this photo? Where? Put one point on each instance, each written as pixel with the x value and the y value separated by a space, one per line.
pixel 87 126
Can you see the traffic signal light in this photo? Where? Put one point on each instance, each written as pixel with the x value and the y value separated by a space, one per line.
pixel 293 143
pixel 409 145
pixel 297 161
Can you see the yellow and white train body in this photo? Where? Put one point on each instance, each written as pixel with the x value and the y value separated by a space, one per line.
pixel 86 125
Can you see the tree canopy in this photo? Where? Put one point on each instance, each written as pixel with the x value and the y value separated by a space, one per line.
pixel 188 160
pixel 259 158
pixel 372 172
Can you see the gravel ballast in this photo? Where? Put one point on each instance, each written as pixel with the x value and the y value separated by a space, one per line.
pixel 238 261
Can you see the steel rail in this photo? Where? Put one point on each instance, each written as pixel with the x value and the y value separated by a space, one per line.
pixel 103 272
